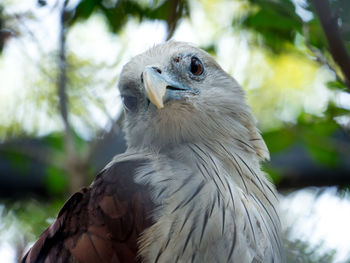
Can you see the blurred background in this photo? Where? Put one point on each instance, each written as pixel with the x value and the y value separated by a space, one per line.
pixel 60 110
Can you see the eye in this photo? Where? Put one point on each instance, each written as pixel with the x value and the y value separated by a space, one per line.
pixel 130 102
pixel 196 66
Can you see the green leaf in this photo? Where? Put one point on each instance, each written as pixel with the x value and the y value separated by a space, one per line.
pixel 118 14
pixel 322 152
pixel 333 110
pixel 316 136
pixel 19 161
pixel 316 35
pixel 56 180
pixel 274 173
pixel 310 125
pixel 336 85
pixel 54 141
pixel 279 140
pixel 85 8
pixel 275 21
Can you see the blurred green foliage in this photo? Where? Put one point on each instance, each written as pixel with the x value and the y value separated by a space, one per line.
pixel 117 12
pixel 23 221
pixel 274 28
pixel 314 133
pixel 34 216
pixel 277 25
pixel 275 21
pixel 56 181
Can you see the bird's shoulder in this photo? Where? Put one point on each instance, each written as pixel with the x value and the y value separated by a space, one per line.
pixel 101 223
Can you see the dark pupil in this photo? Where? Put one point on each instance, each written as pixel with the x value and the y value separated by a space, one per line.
pixel 196 67
pixel 130 102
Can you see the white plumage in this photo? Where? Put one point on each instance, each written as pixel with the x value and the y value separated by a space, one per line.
pixel 213 202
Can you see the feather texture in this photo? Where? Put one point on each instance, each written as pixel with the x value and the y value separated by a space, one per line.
pixel 188 189
pixel 101 223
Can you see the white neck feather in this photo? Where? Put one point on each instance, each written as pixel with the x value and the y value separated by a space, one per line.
pixel 212 199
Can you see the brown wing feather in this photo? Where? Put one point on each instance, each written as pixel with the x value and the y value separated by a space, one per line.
pixel 101 223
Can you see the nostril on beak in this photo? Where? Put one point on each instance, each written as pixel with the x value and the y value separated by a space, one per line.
pixel 141 77
pixel 157 69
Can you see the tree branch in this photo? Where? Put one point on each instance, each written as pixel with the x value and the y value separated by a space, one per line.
pixel 318 53
pixel 334 39
pixel 77 169
pixel 62 77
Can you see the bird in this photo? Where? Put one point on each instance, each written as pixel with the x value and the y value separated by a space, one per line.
pixel 189 187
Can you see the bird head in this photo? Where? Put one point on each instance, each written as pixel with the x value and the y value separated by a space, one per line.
pixel 175 93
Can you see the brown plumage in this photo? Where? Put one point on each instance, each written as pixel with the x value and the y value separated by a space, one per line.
pixel 101 223
pixel 189 188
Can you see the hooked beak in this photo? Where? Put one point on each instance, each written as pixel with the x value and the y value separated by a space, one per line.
pixel 159 88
